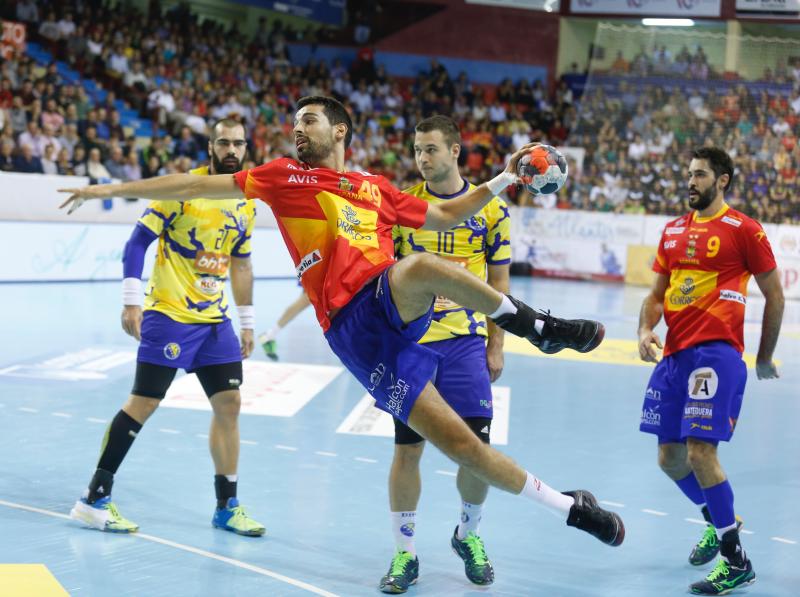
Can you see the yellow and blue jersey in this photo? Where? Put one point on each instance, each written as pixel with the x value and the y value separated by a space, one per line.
pixel 482 240
pixel 196 240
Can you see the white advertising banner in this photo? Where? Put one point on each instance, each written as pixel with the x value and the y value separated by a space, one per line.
pixel 768 6
pixel 644 8
pixel 53 252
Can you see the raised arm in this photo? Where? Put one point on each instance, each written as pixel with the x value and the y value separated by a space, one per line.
pixel 770 284
pixel 175 187
pixel 444 216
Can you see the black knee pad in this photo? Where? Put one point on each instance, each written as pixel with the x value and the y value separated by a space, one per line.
pixel 220 378
pixel 152 381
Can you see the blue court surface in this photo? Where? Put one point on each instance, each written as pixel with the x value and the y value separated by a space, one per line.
pixel 315 459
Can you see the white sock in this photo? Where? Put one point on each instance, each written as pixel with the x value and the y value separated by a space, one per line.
pixel 470 519
pixel 723 530
pixel 506 306
pixel 232 478
pixel 539 491
pixel 270 334
pixel 404 528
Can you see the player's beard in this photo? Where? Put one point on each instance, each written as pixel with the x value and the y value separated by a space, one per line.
pixel 227 165
pixel 315 152
pixel 703 198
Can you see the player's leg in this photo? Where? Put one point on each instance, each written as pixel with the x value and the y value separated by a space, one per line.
pixel 95 507
pixel 417 279
pixel 405 486
pixel 433 419
pixel 268 339
pixel 221 381
pixel 715 392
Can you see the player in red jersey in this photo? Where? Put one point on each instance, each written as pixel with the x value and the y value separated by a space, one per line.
pixel 692 402
pixel 337 226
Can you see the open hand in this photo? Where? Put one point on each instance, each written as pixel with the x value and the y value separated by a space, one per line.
pixel 647 352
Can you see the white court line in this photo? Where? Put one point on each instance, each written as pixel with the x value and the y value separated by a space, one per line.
pixel 696 521
pixel 282 447
pixel 746 532
pixel 321 453
pixel 360 459
pixel 201 435
pixel 62 415
pixel 782 540
pixel 446 473
pixel 200 552
pixel 248 442
pixel 654 512
pixel 172 431
pixel 613 504
pixel 27 409
pixel 93 420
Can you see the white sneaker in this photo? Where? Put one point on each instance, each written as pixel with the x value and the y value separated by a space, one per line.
pixel 102 515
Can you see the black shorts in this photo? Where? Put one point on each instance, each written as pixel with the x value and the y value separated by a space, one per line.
pixel 404 435
pixel 152 381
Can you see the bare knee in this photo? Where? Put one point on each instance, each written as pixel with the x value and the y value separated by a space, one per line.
pixel 701 455
pixel 139 408
pixel 227 404
pixel 407 456
pixel 672 459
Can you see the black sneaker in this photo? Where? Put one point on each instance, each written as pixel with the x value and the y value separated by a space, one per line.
pixel 588 516
pixel 724 578
pixel 477 566
pixel 583 335
pixel 403 572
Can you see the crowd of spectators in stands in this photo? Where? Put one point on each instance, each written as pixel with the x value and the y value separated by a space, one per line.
pixel 183 74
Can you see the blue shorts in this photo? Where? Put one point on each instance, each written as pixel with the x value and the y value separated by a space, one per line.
pixel 186 346
pixel 463 375
pixel 381 351
pixel 696 392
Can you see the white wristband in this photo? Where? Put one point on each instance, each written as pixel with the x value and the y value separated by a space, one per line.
pixel 247 316
pixel 132 292
pixel 499 183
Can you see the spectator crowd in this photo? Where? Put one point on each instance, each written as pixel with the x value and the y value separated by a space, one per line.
pixel 182 74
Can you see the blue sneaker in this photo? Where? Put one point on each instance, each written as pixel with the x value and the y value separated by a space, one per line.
pixel 234 519
pixel 403 572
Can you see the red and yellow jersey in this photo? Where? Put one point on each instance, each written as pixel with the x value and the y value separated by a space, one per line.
pixel 336 225
pixel 709 262
pixel 484 239
pixel 196 240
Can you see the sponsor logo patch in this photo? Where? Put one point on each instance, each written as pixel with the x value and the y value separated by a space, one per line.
pixel 732 295
pixel 731 221
pixel 307 262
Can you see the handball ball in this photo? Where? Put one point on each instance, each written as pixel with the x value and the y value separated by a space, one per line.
pixel 543 170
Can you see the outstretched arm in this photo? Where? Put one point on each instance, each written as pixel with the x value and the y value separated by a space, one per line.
pixel 444 216
pixel 175 187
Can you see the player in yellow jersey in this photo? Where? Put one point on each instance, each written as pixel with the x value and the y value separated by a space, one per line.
pixel 469 361
pixel 185 324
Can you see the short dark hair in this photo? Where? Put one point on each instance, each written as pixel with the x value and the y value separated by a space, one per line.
pixel 719 160
pixel 444 124
pixel 227 123
pixel 334 110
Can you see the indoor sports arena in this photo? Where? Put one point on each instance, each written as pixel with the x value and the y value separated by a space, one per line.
pixel 257 255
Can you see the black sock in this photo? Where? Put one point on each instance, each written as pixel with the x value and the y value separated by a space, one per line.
pixel 706 515
pixel 119 437
pixel 100 485
pixel 224 489
pixel 731 548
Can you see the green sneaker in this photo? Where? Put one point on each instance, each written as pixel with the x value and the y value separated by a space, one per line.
pixel 708 546
pixel 102 515
pixel 403 572
pixel 269 346
pixel 234 519
pixel 724 578
pixel 477 566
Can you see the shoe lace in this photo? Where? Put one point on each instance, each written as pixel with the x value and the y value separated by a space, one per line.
pixel 475 546
pixel 399 562
pixel 720 570
pixel 112 510
pixel 239 517
pixel 709 538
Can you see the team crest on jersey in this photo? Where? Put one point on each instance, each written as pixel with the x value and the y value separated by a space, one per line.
pixel 345 185
pixel 172 351
pixel 691 245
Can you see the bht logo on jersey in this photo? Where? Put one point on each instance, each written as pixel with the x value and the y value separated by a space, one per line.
pixel 307 262
pixel 172 351
pixel 703 383
pixel 211 263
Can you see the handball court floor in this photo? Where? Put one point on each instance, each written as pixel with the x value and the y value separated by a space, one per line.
pixel 315 457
